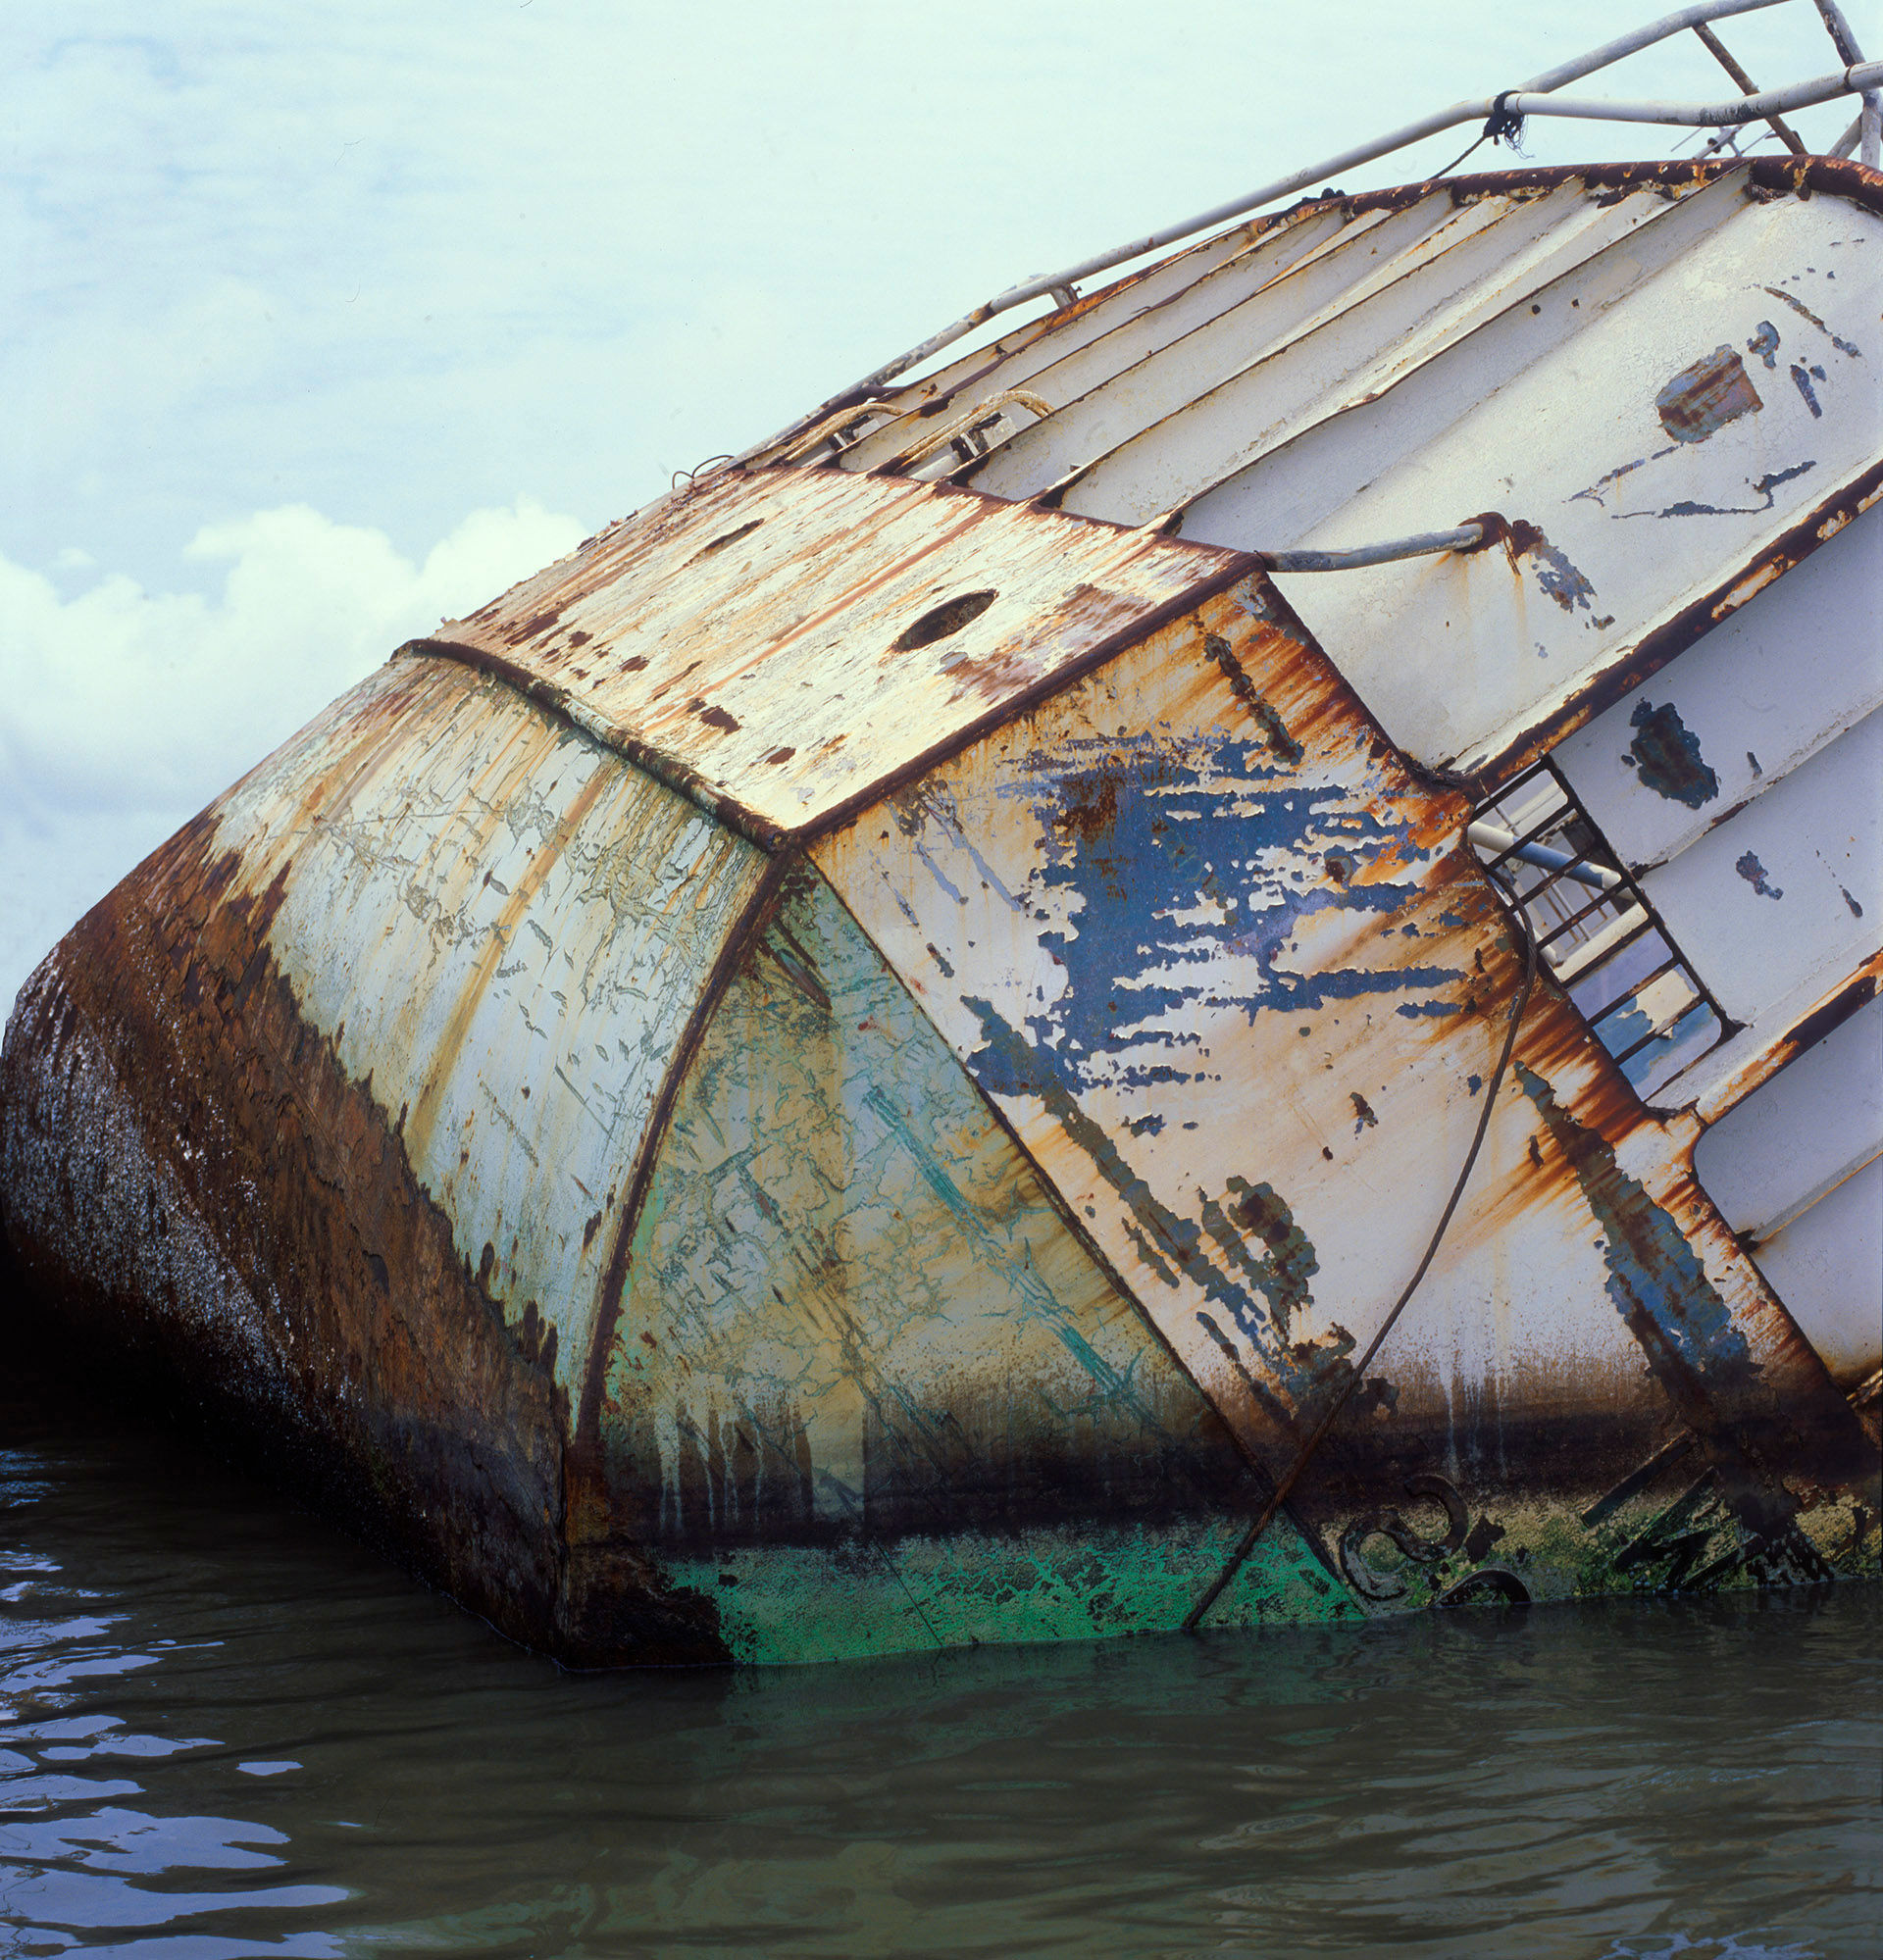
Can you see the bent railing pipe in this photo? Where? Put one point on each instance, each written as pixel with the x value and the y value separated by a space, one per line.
pixel 1854 81
pixel 1566 863
pixel 1530 98
pixel 1421 544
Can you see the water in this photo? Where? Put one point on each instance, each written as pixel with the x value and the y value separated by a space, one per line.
pixel 232 1731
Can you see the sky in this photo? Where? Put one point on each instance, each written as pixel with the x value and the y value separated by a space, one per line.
pixel 325 322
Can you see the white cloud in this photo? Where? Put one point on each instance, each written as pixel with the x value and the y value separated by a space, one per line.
pixel 121 712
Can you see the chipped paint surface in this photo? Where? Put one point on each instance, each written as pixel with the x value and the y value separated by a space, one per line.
pixel 1761 899
pixel 1103 905
pixel 927 1591
pixel 1318 386
pixel 1716 389
pixel 552 917
pixel 1667 757
pixel 1767 689
pixel 853 1066
pixel 753 635
pixel 854 1312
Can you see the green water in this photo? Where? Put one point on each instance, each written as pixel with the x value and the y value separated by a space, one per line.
pixel 230 1731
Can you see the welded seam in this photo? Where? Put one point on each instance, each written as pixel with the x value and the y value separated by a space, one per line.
pixel 726 809
pixel 760 912
pixel 1356 1373
pixel 751 921
pixel 1836 176
pixel 1076 1227
pixel 1415 261
pixel 1224 267
pixel 560 703
pixel 1856 989
pixel 1236 565
pixel 1362 392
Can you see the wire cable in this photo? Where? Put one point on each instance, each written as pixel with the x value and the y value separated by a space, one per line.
pixel 1279 1496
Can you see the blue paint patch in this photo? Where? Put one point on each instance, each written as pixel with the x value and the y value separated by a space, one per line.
pixel 1666 755
pixel 1753 873
pixel 1621 1032
pixel 1242 1251
pixel 1656 1280
pixel 1412 1009
pixel 1686 1041
pixel 1192 870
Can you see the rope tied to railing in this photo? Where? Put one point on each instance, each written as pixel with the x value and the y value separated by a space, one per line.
pixel 1504 125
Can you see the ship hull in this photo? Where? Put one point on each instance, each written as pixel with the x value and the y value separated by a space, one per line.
pixel 874 1062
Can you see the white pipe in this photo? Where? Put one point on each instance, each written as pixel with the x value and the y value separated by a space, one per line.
pixel 1614 51
pixel 1499 841
pixel 1427 544
pixel 1711 115
pixel 1365 153
pixel 1572 962
pixel 1869 119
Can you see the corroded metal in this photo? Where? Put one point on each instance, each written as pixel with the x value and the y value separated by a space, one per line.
pixel 856 1063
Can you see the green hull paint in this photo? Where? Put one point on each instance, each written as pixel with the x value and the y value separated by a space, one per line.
pixel 790 1604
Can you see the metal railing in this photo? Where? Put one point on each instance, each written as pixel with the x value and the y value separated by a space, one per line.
pixel 1598 934
pixel 1499 113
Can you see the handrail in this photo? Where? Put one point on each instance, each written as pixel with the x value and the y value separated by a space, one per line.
pixel 808 438
pixel 1422 544
pixel 1854 81
pixel 1869 119
pixel 1529 99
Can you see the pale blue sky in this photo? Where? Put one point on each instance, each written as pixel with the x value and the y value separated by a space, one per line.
pixel 324 320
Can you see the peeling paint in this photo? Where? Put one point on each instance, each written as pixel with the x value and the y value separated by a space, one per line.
pixel 1702 399
pixel 1666 756
pixel 848 1068
pixel 1753 873
pixel 1803 311
pixel 1563 582
pixel 1686 1329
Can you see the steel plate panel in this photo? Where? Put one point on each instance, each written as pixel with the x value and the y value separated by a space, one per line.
pixel 1799 1134
pixel 1827 1267
pixel 1797 664
pixel 502 927
pixel 1624 421
pixel 1071 358
pixel 1787 897
pixel 853 1307
pixel 784 638
pixel 1339 331
pixel 1239 1008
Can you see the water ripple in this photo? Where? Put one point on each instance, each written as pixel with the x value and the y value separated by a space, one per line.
pixel 226 1731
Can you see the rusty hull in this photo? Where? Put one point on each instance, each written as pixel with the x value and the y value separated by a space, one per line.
pixel 851 1068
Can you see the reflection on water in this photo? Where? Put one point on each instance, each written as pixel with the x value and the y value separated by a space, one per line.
pixel 230 1731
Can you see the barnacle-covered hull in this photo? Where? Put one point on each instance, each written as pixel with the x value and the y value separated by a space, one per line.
pixel 857 1065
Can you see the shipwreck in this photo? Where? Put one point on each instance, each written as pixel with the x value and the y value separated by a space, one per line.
pixel 1212 963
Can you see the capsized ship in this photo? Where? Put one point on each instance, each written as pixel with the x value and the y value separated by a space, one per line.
pixel 1214 964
